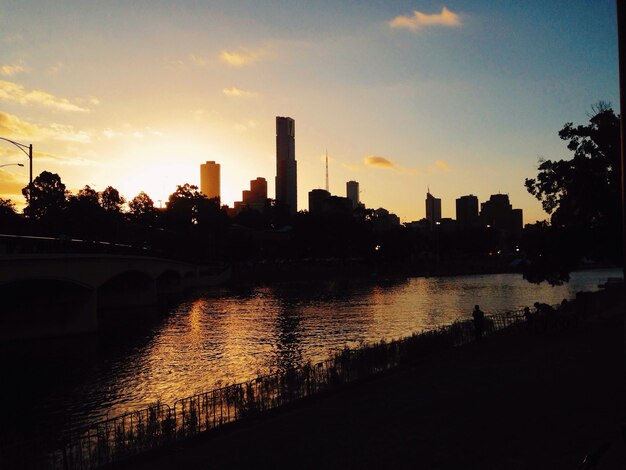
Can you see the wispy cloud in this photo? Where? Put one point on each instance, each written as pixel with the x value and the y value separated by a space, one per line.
pixel 11 183
pixel 54 68
pixel 421 20
pixel 241 57
pixel 13 127
pixel 251 124
pixel 8 70
pixel 10 91
pixel 442 165
pixel 376 161
pixel 200 60
pixel 379 162
pixel 238 92
pixel 140 133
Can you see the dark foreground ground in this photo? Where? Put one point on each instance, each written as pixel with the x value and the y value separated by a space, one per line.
pixel 516 401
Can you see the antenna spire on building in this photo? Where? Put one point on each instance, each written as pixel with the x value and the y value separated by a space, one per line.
pixel 327 171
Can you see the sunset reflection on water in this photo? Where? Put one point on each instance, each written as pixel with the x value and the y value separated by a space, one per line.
pixel 229 335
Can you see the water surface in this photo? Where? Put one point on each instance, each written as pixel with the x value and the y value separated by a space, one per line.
pixel 229 335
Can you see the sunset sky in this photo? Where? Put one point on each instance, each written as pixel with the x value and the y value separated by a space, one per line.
pixel 462 97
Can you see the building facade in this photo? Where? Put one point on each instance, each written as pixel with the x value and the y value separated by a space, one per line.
pixel 210 179
pixel 317 200
pixel 257 193
pixel 498 213
pixel 352 192
pixel 286 165
pixel 433 209
pixel 467 211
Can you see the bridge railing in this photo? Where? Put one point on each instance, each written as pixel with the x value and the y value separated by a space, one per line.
pixel 116 439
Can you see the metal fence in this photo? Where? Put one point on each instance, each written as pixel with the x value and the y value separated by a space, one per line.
pixel 116 439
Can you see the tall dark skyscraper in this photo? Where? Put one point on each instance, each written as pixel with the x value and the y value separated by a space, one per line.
pixel 286 165
pixel 467 211
pixel 352 191
pixel 433 208
pixel 498 213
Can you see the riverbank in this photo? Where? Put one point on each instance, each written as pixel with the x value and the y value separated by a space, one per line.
pixel 521 399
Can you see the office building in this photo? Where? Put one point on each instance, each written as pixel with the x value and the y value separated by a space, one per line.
pixel 352 192
pixel 210 179
pixel 467 211
pixel 286 165
pixel 257 193
pixel 317 200
pixel 433 209
pixel 498 213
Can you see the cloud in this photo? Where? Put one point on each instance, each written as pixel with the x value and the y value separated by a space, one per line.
pixel 240 58
pixel 442 165
pixel 12 182
pixel 379 162
pixel 199 60
pixel 147 131
pixel 53 69
pixel 421 20
pixel 9 70
pixel 15 92
pixel 238 92
pixel 387 164
pixel 13 127
pixel 251 124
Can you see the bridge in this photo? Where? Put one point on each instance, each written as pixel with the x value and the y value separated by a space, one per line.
pixel 45 295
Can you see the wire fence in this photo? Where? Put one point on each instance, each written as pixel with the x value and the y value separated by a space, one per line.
pixel 116 439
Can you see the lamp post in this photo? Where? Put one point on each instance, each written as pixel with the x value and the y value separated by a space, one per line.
pixel 9 164
pixel 29 154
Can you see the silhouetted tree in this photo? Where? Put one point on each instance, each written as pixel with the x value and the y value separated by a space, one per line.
pixel 582 196
pixel 182 205
pixel 584 190
pixel 83 216
pixel 7 207
pixel 9 219
pixel 46 196
pixel 142 208
pixel 111 200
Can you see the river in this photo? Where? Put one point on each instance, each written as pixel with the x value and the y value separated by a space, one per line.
pixel 228 335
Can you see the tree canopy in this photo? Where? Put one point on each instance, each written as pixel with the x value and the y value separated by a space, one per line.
pixel 46 195
pixel 582 196
pixel 585 190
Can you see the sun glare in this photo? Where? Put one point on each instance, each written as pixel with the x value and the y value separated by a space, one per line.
pixel 157 167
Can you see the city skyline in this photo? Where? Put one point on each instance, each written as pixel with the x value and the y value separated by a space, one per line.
pixel 462 100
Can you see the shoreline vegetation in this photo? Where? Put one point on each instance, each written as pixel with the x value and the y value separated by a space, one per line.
pixel 161 425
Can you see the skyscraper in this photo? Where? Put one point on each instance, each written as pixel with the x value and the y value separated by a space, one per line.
pixel 286 165
pixel 352 191
pixel 498 213
pixel 433 208
pixel 467 211
pixel 210 179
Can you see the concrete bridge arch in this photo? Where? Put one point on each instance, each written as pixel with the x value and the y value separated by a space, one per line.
pixel 81 290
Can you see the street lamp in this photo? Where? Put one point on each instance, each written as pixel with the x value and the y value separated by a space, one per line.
pixel 9 164
pixel 29 154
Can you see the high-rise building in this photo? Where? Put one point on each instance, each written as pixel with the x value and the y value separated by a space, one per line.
pixel 257 193
pixel 498 213
pixel 317 200
pixel 433 208
pixel 286 165
pixel 352 191
pixel 467 211
pixel 210 179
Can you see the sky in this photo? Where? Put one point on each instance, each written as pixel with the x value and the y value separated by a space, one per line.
pixel 461 97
